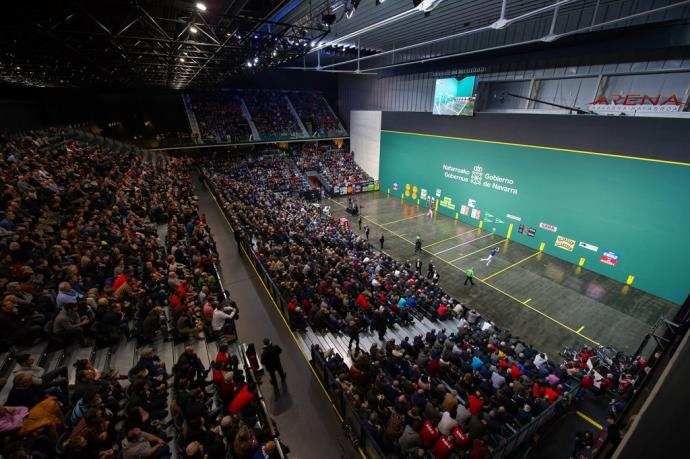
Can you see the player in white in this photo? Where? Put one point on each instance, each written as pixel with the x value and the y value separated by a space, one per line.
pixel 492 254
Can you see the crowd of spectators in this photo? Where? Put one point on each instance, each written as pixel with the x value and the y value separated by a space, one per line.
pixel 219 116
pixel 466 389
pixel 316 115
pixel 83 262
pixel 337 167
pixel 271 115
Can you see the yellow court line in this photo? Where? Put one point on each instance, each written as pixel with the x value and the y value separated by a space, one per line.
pixel 476 251
pixel 590 420
pixel 510 266
pixel 463 243
pixel 540 147
pixel 403 219
pixel 580 329
pixel 449 263
pixel 452 237
pixel 280 313
pixel 528 300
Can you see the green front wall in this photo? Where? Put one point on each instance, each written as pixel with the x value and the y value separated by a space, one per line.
pixel 638 209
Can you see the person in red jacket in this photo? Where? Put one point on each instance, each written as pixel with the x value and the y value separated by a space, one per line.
pixel 443 447
pixel 479 450
pixel 476 404
pixel 362 302
pixel 243 398
pixel 428 434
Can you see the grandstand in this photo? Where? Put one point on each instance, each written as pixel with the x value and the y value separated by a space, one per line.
pixel 337 229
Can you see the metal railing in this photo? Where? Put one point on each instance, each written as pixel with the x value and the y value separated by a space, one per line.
pixel 362 436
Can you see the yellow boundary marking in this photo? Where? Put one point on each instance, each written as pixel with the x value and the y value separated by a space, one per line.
pixel 464 243
pixel 510 266
pixel 590 420
pixel 580 329
pixel 449 263
pixel 566 150
pixel 280 313
pixel 449 238
pixel 403 219
pixel 528 300
pixel 476 251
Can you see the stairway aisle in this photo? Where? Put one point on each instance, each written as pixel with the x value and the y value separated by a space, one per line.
pixel 307 422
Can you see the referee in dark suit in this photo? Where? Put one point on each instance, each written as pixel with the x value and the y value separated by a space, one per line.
pixel 270 359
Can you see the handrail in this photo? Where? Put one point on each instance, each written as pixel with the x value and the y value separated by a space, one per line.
pixel 260 396
pixel 348 411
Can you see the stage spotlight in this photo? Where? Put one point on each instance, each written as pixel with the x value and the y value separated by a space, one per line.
pixel 193 29
pixel 200 6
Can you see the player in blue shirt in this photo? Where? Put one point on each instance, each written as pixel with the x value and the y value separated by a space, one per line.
pixel 492 254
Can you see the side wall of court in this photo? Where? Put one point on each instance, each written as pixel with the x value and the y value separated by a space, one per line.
pixel 610 213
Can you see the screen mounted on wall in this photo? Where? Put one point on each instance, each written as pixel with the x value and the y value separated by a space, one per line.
pixel 455 97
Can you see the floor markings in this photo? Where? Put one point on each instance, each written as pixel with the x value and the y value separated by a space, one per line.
pixel 464 243
pixel 511 266
pixel 580 329
pixel 528 300
pixel 403 219
pixel 449 263
pixel 590 420
pixel 477 251
pixel 449 238
pixel 280 313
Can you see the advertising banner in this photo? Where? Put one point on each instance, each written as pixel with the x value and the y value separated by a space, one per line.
pixel 565 243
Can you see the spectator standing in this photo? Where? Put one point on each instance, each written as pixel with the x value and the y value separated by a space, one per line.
pixel 270 359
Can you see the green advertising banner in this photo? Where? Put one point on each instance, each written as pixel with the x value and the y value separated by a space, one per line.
pixel 624 216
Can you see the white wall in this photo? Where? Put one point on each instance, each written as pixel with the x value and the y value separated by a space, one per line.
pixel 365 139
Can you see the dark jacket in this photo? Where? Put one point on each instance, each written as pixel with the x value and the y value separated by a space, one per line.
pixel 270 356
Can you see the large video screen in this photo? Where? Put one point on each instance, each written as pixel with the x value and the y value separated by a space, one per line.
pixel 455 97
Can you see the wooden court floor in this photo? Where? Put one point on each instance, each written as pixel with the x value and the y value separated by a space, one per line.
pixel 546 301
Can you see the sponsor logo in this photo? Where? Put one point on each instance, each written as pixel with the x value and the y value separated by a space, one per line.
pixel 464 210
pixel 422 193
pixel 548 227
pixel 610 258
pixel 591 247
pixel 395 186
pixel 471 202
pixel 447 202
pixel 521 229
pixel 513 217
pixel 476 214
pixel 531 231
pixel 632 102
pixel 438 192
pixel 476 177
pixel 565 243
pixel 498 220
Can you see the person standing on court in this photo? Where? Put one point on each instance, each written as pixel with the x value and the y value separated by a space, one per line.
pixel 270 359
pixel 418 244
pixel 359 222
pixel 430 270
pixel 381 239
pixel 470 275
pixel 492 254
pixel 366 232
pixel 418 265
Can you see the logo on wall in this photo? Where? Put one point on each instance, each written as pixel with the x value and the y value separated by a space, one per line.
pixel 438 192
pixel 521 229
pixel 395 186
pixel 548 227
pixel 565 243
pixel 513 217
pixel 407 189
pixel 531 231
pixel 591 247
pixel 476 214
pixel 632 102
pixel 610 258
pixel 423 193
pixel 471 203
pixel 464 210
pixel 476 177
pixel 414 192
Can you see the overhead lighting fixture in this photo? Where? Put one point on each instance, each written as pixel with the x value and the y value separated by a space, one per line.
pixel 256 60
pixel 249 63
pixel 313 43
pixel 200 6
pixel 182 59
pixel 193 29
pixel 274 53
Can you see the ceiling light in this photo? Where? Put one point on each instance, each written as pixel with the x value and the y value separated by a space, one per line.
pixel 193 29
pixel 182 59
pixel 275 53
pixel 200 6
pixel 256 60
pixel 249 63
pixel 313 43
